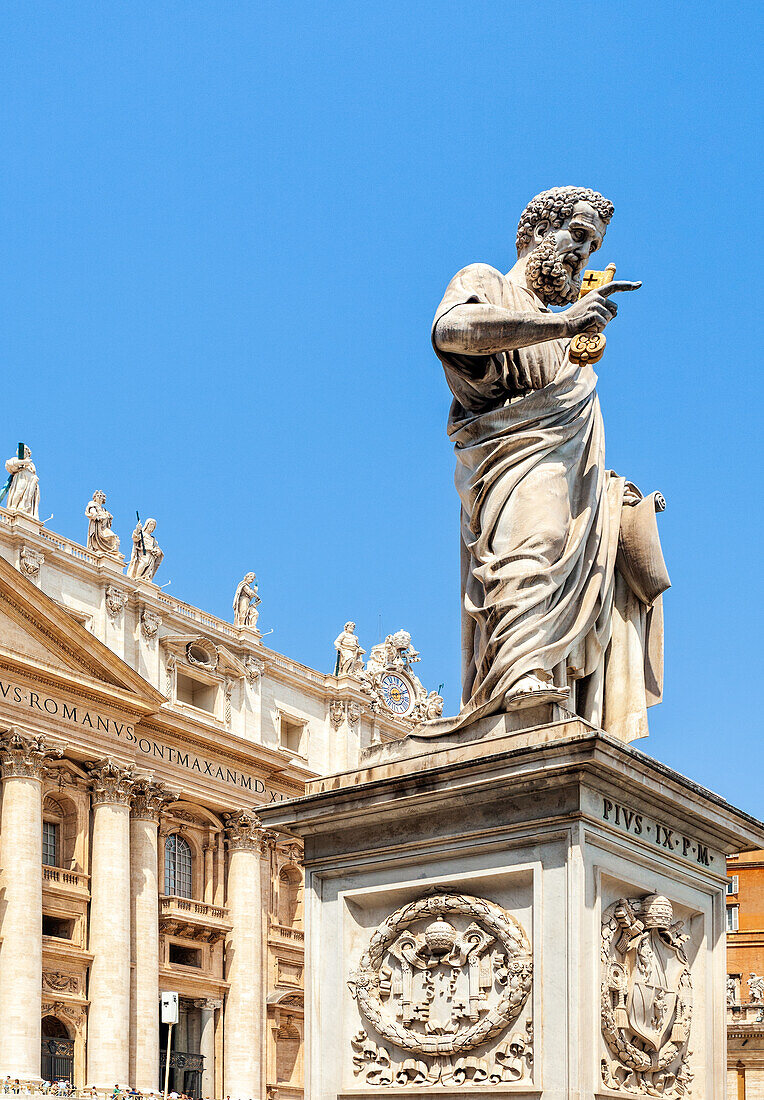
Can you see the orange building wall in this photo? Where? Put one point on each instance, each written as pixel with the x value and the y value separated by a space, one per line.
pixel 745 948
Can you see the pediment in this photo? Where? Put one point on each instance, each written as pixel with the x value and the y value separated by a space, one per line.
pixel 36 632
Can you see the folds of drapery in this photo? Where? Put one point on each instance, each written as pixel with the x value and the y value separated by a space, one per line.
pixel 540 529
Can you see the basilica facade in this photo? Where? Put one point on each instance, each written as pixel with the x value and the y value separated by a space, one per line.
pixel 139 736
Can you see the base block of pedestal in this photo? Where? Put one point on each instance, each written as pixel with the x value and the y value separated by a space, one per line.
pixel 543 919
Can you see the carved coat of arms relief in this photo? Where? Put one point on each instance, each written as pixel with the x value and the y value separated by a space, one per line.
pixel 646 999
pixel 440 979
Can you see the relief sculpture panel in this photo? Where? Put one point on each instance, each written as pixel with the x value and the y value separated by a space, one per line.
pixel 441 978
pixel 646 999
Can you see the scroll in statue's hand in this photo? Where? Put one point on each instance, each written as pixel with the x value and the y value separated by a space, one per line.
pixel 592 312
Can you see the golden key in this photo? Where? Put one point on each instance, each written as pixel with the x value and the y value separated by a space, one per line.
pixel 589 347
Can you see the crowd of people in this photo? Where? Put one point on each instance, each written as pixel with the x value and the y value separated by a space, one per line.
pixel 65 1088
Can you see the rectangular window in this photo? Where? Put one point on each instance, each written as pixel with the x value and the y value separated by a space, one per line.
pixel 732 917
pixel 292 735
pixel 195 693
pixel 185 956
pixel 58 927
pixel 732 884
pixel 50 843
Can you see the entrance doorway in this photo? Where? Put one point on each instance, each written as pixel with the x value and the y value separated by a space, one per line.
pixel 57 1055
pixel 186 1061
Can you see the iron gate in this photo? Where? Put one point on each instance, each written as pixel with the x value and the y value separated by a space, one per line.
pixel 57 1061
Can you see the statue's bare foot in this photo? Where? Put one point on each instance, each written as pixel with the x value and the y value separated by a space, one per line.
pixel 533 689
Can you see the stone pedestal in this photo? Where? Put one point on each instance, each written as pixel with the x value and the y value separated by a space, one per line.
pixel 109 986
pixel 527 913
pixel 23 760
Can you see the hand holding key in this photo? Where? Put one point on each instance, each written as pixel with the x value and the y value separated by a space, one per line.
pixel 592 312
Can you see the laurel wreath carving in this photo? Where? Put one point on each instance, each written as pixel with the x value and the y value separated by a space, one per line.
pixel 508 933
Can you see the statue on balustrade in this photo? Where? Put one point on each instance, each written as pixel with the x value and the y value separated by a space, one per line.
pixel 101 538
pixel 147 555
pixel 245 603
pixel 562 571
pixel 22 490
pixel 349 653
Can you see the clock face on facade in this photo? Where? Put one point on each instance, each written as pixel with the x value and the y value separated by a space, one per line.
pixel 396 693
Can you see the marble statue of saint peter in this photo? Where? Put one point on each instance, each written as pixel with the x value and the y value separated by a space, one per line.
pixel 546 613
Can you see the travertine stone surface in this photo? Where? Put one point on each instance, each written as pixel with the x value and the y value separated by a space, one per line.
pixel 476 913
pixel 23 761
pixel 21 952
pixel 207 1046
pixel 244 1009
pixel 109 990
pixel 148 799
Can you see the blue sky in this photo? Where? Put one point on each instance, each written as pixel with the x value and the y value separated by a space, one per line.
pixel 225 229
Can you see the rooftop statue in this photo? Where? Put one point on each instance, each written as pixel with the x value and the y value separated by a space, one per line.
pixel 245 602
pixel 147 555
pixel 101 538
pixel 561 566
pixel 23 485
pixel 349 653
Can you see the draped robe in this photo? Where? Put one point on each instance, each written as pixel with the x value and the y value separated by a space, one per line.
pixel 540 524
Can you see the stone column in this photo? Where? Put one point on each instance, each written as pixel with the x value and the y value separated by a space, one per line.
pixel 209 875
pixel 148 800
pixel 109 990
pixel 23 765
pixel 207 1045
pixel 243 1024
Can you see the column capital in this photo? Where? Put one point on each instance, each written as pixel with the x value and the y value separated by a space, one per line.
pixel 22 756
pixel 111 782
pixel 149 798
pixel 244 830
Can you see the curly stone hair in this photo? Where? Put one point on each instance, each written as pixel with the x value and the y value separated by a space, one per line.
pixel 554 206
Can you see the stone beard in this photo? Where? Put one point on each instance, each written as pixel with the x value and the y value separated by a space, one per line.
pixel 543 521
pixel 549 277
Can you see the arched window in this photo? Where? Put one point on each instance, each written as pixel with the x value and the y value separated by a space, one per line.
pixel 290 898
pixel 177 866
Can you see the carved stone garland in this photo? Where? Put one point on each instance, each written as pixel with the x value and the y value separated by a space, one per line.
pixel 646 998
pixel 440 943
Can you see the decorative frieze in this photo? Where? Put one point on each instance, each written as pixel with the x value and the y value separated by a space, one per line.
pixel 148 799
pixel 26 757
pixel 646 998
pixel 111 782
pixel 244 830
pixel 56 981
pixel 74 1013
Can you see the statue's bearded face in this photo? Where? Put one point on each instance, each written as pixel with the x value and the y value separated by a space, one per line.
pixel 555 265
